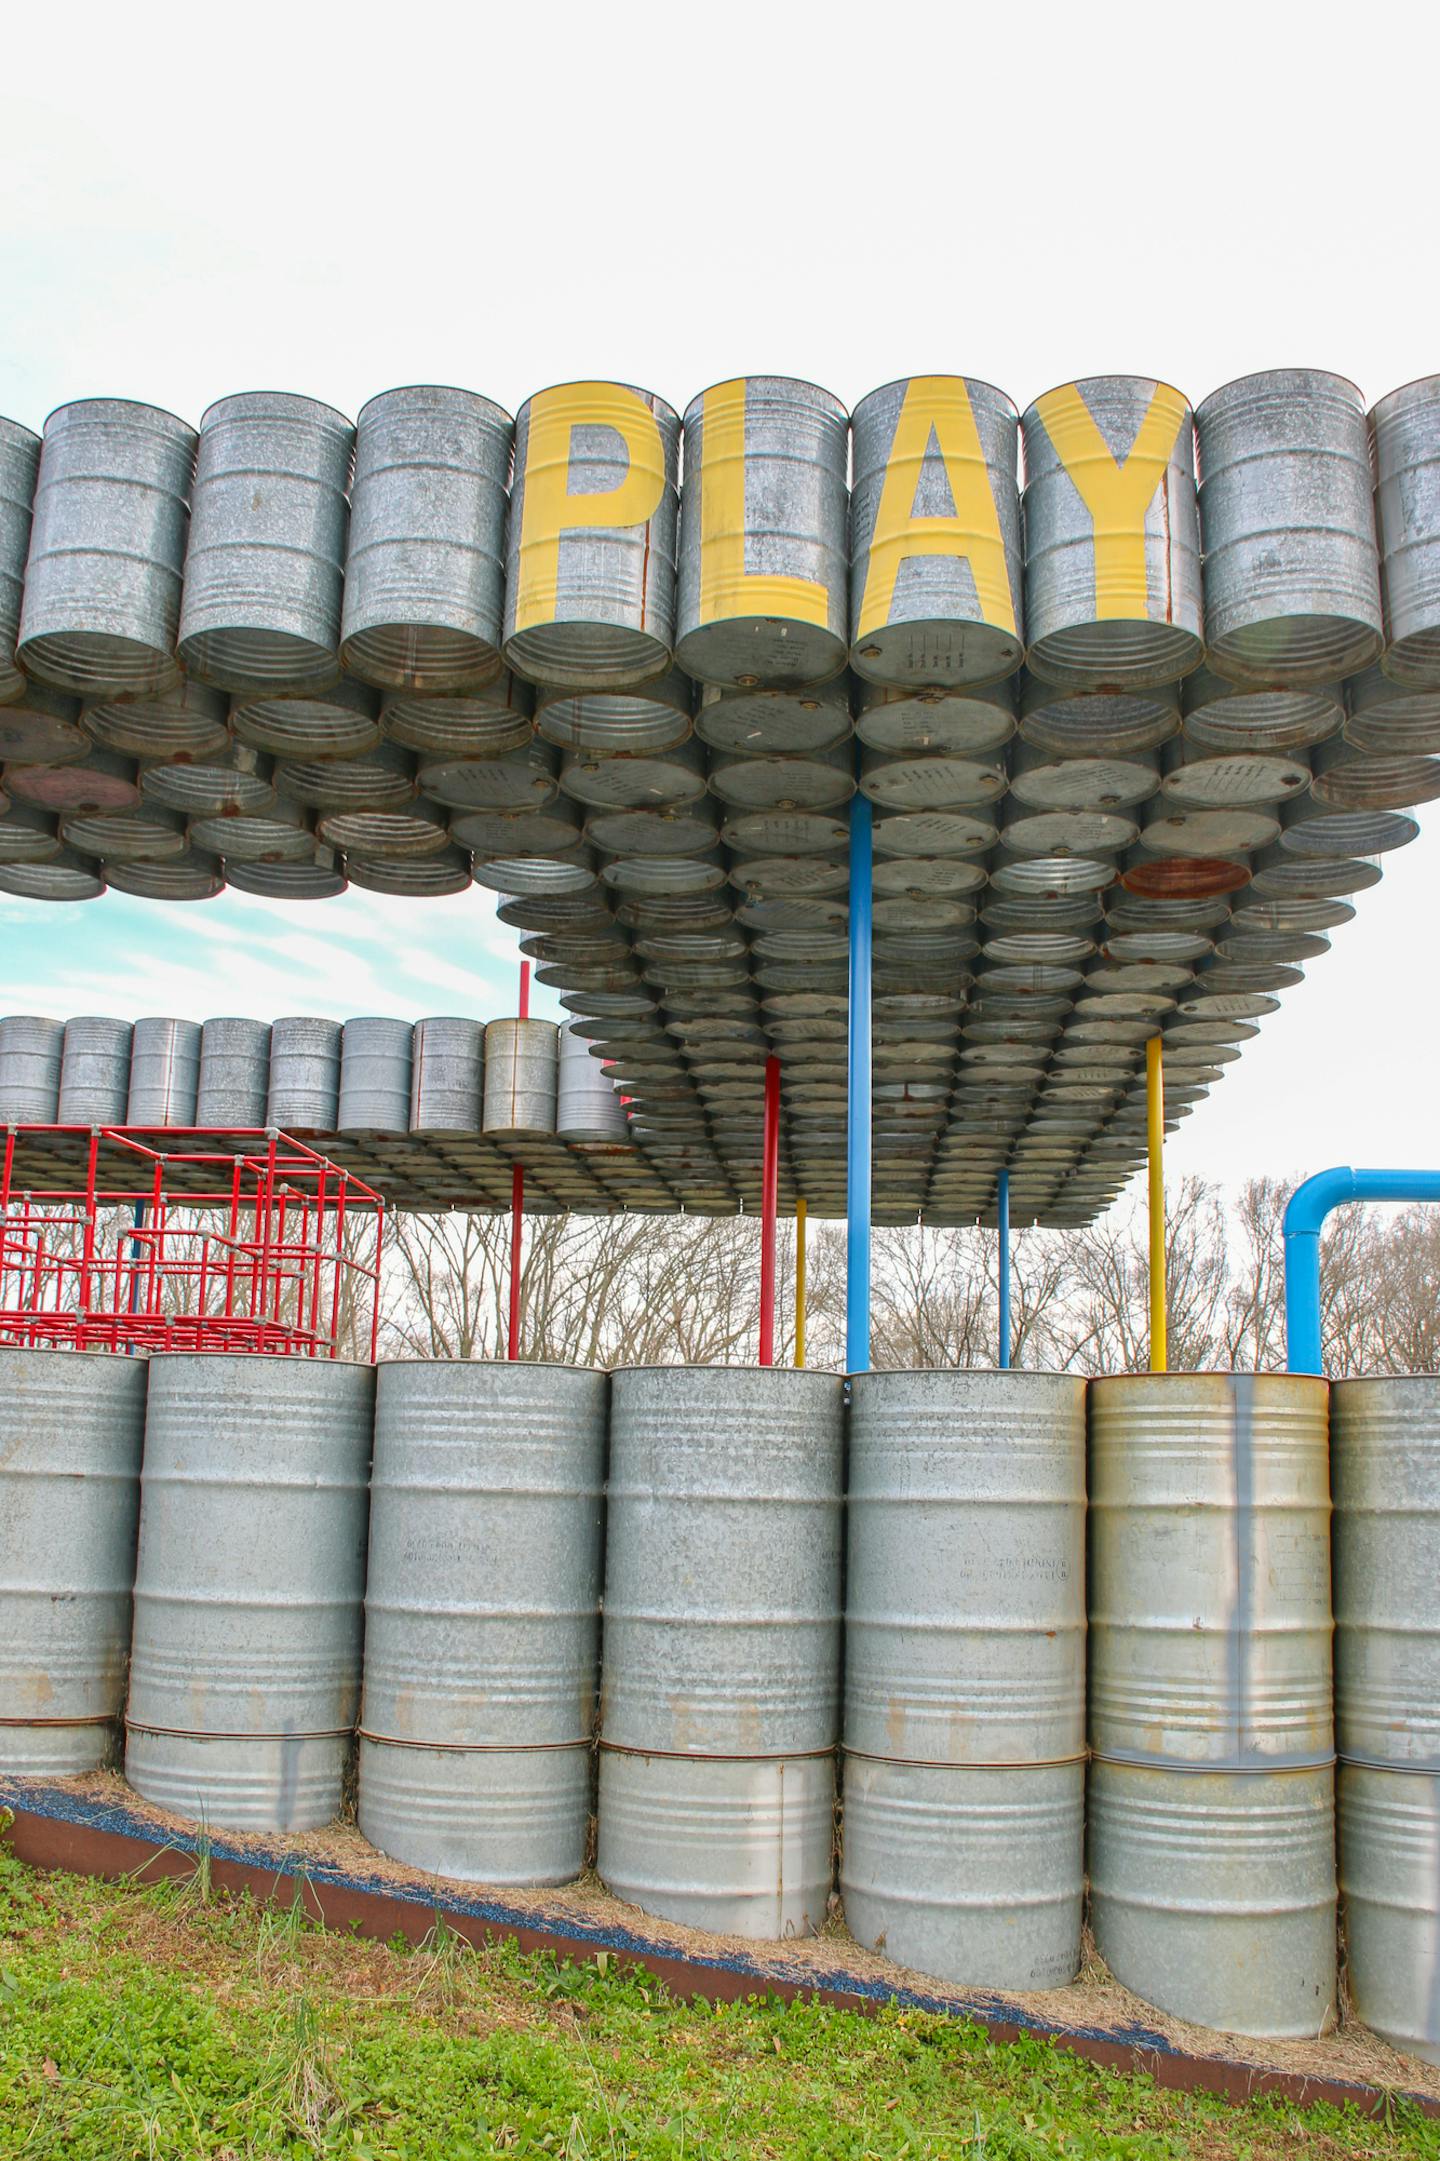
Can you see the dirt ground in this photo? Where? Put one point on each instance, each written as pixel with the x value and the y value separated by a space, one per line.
pixel 1094 2002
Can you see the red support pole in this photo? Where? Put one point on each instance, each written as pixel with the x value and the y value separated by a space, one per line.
pixel 524 990
pixel 769 1208
pixel 517 1218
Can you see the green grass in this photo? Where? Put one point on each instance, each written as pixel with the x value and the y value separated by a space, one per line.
pixel 168 2024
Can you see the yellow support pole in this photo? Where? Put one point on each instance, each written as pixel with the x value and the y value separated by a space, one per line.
pixel 1155 1123
pixel 800 1280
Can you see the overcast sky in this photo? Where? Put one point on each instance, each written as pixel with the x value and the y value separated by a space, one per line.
pixel 202 201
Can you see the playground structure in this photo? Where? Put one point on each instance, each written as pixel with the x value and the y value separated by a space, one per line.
pixel 195 1249
pixel 901 847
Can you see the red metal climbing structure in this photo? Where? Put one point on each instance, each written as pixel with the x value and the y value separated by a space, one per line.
pixel 275 1250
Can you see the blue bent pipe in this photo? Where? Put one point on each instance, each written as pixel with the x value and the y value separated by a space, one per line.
pixel 1002 1220
pixel 858 1143
pixel 1310 1204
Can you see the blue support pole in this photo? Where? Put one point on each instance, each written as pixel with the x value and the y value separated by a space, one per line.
pixel 1002 1219
pixel 858 1172
pixel 1310 1204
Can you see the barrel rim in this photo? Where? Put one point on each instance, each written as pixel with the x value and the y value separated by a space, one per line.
pixel 1261 375
pixel 1416 382
pixel 981 382
pixel 574 382
pixel 1210 1373
pixel 318 407
pixel 800 1373
pixel 798 382
pixel 1079 382
pixel 137 405
pixel 455 390
pixel 531 1365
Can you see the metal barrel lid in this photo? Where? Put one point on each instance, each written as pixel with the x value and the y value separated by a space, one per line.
pixel 1396 719
pixel 340 722
pixel 322 878
pixel 42 727
pixel 280 834
pixel 103 780
pixel 549 829
pixel 568 870
pixel 28 834
pixel 193 875
pixel 65 875
pixel 146 832
pixel 523 778
pixel 1232 716
pixel 634 780
pixel 483 723
pixel 689 829
pixel 382 778
pixel 775 720
pixel 1198 776
pixel 427 876
pixel 188 720
pixel 644 717
pixel 237 778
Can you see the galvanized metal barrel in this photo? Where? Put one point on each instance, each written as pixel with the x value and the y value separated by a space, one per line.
pixel 447 1083
pixel 234 1074
pixel 1112 536
pixel 965 1584
pixel 245 1667
pixel 482 1618
pixel 975 1876
pixel 1210 1570
pixel 71 1430
pixel 164 1073
pixel 521 1076
pixel 19 464
pixel 936 557
pixel 588 1106
pixel 31 1049
pixel 1386 1451
pixel 764 553
pixel 94 1071
pixel 1405 449
pixel 107 548
pixel 722 1598
pixel 265 567
pixel 741 1845
pixel 1212 1893
pixel 1292 568
pixel 425 571
pixel 1389 1824
pixel 375 1060
pixel 304 1074
pixel 590 552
